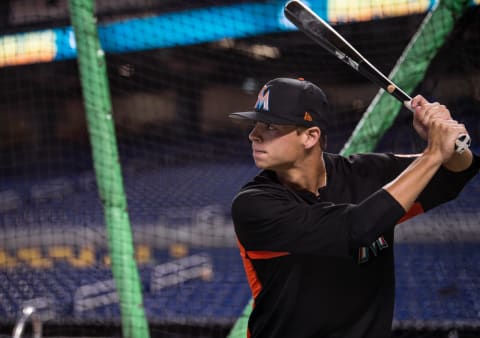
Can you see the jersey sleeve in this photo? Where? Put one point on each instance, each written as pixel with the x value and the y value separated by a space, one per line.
pixel 443 187
pixel 268 219
pixel 447 185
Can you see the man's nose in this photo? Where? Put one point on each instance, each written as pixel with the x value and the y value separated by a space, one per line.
pixel 254 135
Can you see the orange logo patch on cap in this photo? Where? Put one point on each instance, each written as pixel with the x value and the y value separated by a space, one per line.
pixel 307 117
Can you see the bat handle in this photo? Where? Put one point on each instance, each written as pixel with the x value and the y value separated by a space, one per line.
pixel 408 105
pixel 462 142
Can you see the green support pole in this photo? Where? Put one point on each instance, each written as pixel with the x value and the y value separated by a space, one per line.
pixel 407 74
pixel 98 106
pixel 239 330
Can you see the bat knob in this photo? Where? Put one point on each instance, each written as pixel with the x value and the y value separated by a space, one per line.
pixel 462 143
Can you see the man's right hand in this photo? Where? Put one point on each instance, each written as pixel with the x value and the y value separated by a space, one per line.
pixel 441 138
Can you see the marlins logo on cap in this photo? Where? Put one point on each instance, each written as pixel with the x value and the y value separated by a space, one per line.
pixel 262 100
pixel 289 101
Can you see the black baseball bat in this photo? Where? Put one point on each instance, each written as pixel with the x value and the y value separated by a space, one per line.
pixel 327 37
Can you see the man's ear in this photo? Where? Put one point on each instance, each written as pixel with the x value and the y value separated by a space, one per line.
pixel 312 137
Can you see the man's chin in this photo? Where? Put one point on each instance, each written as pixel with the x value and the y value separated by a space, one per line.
pixel 261 165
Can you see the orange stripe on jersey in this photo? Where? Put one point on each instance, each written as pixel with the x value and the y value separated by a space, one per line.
pixel 266 254
pixel 415 210
pixel 252 277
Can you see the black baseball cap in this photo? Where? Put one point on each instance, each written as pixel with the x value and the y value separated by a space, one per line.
pixel 289 101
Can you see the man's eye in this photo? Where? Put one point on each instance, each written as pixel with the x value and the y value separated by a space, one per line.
pixel 270 127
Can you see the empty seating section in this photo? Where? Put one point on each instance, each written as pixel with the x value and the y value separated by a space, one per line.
pixel 437 280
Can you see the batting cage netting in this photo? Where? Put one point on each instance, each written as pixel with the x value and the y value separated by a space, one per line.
pixel 118 163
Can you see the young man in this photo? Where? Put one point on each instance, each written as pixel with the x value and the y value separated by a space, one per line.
pixel 315 229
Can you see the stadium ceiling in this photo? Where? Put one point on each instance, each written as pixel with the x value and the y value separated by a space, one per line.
pixel 253 53
pixel 25 15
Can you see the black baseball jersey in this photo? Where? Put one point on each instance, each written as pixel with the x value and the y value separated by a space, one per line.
pixel 324 266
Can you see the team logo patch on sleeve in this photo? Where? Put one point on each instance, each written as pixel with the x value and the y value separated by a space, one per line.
pixel 364 252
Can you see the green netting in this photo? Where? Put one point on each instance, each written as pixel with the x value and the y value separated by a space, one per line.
pixel 175 70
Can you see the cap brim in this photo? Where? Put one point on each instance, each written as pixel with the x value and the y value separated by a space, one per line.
pixel 259 116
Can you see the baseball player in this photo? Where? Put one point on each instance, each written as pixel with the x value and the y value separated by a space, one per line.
pixel 316 229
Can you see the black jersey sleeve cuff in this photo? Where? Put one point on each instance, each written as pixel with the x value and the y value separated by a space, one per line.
pixel 447 185
pixel 472 170
pixel 374 217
